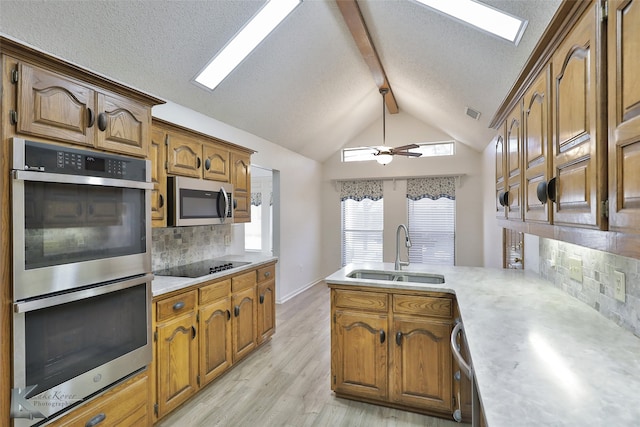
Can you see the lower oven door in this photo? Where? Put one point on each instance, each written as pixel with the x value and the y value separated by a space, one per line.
pixel 71 346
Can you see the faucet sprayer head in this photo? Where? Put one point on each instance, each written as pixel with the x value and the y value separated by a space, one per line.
pixel 408 242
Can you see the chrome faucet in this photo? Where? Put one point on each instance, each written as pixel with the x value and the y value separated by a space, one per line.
pixel 407 243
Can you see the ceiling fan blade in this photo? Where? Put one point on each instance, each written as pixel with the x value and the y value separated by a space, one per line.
pixel 406 153
pixel 406 147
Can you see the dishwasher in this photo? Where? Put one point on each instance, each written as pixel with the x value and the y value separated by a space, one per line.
pixel 467 369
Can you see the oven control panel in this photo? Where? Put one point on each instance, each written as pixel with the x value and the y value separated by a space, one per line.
pixel 70 161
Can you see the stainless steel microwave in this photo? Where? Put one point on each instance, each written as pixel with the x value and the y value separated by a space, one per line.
pixel 199 201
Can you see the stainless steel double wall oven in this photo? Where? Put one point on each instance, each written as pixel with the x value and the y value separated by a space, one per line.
pixel 81 275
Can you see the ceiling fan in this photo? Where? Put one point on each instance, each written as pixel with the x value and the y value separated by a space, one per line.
pixel 384 155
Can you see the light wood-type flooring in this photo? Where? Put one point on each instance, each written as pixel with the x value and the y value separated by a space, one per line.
pixel 286 381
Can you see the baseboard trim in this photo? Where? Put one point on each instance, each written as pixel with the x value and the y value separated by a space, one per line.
pixel 298 292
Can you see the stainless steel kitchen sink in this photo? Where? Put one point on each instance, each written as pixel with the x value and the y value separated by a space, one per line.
pixel 397 276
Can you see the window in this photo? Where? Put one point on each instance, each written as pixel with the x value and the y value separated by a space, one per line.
pixel 362 221
pixel 431 209
pixel 428 149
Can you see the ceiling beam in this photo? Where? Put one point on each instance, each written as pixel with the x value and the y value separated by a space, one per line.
pixel 353 17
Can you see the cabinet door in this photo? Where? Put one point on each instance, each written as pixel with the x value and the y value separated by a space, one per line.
pixel 266 310
pixel 215 339
pixel 177 362
pixel 575 123
pixel 536 149
pixel 244 323
pixel 624 115
pixel 157 155
pixel 184 156
pixel 122 125
pixel 359 354
pixel 216 163
pixel 241 180
pixel 52 106
pixel 500 184
pixel 421 362
pixel 513 153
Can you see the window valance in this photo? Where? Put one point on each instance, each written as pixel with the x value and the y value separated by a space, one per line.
pixel 359 190
pixel 432 188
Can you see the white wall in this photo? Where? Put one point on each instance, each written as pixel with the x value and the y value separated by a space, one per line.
pixel 300 235
pixel 405 129
pixel 492 242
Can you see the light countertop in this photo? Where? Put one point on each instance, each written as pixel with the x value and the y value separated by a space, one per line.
pixel 165 284
pixel 541 357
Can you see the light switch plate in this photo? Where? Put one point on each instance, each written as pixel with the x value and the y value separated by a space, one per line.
pixel 575 269
pixel 619 286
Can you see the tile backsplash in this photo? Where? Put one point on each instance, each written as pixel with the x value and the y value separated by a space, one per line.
pixel 183 245
pixel 597 286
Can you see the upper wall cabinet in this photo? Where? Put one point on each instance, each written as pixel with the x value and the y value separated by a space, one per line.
pixel 577 187
pixel 536 149
pixel 513 141
pixel 500 166
pixel 624 115
pixel 241 180
pixel 53 106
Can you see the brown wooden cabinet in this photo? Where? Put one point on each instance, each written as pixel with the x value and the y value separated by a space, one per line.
pixel 266 302
pixel 54 106
pixel 241 181
pixel 500 165
pixel 176 351
pixel 244 324
pixel 214 324
pixel 513 153
pixel 158 157
pixel 392 347
pixel 578 181
pixel 125 405
pixel 623 63
pixel 537 163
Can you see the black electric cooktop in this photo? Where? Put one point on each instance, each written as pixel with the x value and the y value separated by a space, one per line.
pixel 201 268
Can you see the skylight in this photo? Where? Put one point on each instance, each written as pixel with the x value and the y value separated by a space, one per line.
pixel 481 16
pixel 243 43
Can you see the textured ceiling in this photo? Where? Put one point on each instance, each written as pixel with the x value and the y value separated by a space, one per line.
pixel 306 87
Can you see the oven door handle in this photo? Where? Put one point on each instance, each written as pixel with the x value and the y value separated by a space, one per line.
pixel 27 175
pixel 37 304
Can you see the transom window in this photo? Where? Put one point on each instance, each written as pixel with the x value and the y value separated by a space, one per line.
pixel 428 149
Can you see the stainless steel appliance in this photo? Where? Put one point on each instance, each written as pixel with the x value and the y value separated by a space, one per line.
pixel 81 276
pixel 199 201
pixel 79 218
pixel 467 370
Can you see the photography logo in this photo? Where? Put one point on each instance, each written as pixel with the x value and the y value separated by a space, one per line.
pixel 48 402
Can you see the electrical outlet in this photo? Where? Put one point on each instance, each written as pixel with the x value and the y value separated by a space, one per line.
pixel 227 240
pixel 619 286
pixel 575 269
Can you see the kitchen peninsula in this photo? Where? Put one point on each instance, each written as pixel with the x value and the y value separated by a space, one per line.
pixel 540 356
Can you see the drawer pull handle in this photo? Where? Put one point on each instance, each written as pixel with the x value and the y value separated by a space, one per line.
pixel 383 336
pixel 399 338
pixel 236 310
pixel 96 420
pixel 178 306
pixel 262 299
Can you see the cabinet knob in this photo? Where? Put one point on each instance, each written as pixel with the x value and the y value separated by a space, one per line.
pixel 236 310
pixel 91 118
pixel 262 299
pixel 193 332
pixel 198 162
pixel 541 192
pixel 228 315
pixel 267 274
pixel 399 338
pixel 178 306
pixel 383 336
pixel 552 189
pixel 207 164
pixel 503 198
pixel 96 420
pixel 161 201
pixel 102 121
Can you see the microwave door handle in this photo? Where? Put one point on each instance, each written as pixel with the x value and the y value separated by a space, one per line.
pixel 223 205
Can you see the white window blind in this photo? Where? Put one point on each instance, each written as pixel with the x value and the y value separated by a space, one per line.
pixel 432 230
pixel 362 225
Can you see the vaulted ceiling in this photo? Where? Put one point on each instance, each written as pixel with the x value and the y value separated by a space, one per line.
pixel 306 87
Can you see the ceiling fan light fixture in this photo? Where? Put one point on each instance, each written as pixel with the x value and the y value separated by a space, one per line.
pixel 384 158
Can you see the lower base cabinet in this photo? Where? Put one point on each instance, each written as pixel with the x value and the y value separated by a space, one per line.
pixel 392 348
pixel 203 331
pixel 126 405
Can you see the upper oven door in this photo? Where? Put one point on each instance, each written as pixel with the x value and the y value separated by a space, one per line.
pixel 72 231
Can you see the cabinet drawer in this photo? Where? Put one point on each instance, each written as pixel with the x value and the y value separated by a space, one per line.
pixel 266 273
pixel 243 281
pixel 125 405
pixel 214 291
pixel 423 306
pixel 370 301
pixel 176 305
